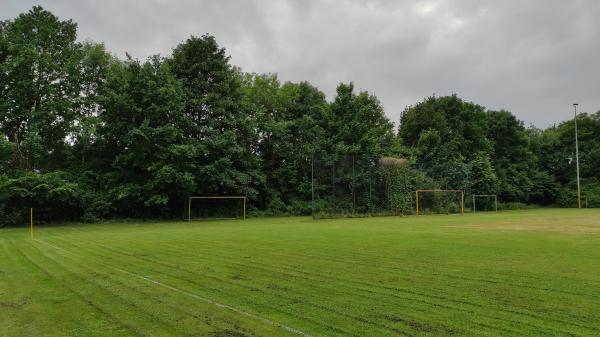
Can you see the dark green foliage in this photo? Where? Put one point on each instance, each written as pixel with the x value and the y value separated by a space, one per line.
pixel 356 133
pixel 289 120
pixel 7 150
pixel 357 125
pixel 484 152
pixel 152 164
pixel 215 122
pixel 483 178
pixel 511 156
pixel 358 186
pixel 456 129
pixel 557 158
pixel 40 67
pixel 402 184
pixel 86 135
pixel 53 196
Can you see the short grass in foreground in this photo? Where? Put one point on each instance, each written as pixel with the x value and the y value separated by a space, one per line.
pixel 522 273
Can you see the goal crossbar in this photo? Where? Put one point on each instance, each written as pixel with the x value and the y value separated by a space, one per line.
pixel 240 197
pixel 485 196
pixel 462 197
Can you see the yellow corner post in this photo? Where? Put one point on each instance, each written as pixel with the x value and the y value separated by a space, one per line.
pixel 417 201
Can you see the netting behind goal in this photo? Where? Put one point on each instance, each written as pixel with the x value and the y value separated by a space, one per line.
pixel 484 202
pixel 215 207
pixel 359 186
pixel 439 201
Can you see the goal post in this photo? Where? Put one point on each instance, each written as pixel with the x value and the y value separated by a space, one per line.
pixel 488 196
pixel 192 215
pixel 461 192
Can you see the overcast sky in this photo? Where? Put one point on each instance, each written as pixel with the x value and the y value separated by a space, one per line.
pixel 532 57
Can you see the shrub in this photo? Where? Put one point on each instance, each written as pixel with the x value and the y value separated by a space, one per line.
pixel 52 196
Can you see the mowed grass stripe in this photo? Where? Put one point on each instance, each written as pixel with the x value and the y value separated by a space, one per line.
pixel 330 291
pixel 375 277
pixel 559 323
pixel 18 276
pixel 371 255
pixel 136 317
pixel 427 312
pixel 335 304
pixel 487 325
pixel 493 278
pixel 90 319
pixel 251 295
pixel 389 269
pixel 144 292
pixel 323 279
pixel 434 304
pixel 496 328
pixel 156 274
pixel 74 299
pixel 148 306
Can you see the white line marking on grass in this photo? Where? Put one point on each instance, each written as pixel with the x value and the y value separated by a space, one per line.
pixel 220 305
pixel 200 298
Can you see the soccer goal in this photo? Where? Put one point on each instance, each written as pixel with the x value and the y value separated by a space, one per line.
pixel 215 207
pixel 489 200
pixel 438 201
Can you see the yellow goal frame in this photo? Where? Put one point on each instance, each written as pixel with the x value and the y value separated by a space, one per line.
pixel 462 198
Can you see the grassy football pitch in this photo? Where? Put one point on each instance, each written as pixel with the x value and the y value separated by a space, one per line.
pixel 521 273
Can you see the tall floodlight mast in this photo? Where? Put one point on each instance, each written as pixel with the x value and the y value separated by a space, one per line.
pixel 577 157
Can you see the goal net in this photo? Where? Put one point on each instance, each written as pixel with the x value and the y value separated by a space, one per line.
pixel 437 201
pixel 215 207
pixel 348 186
pixel 485 202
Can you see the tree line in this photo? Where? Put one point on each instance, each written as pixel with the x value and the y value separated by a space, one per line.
pixel 86 135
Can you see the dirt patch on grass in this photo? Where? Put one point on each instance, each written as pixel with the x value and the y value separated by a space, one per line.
pixel 574 226
pixel 13 305
pixel 229 333
pixel 437 329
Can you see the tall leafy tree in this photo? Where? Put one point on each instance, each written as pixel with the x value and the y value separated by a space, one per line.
pixel 555 148
pixel 511 157
pixel 215 123
pixel 94 65
pixel 483 179
pixel 39 63
pixel 152 167
pixel 460 125
pixel 447 133
pixel 288 120
pixel 357 124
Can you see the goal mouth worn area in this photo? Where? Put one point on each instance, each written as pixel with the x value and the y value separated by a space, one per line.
pixel 215 208
pixel 439 201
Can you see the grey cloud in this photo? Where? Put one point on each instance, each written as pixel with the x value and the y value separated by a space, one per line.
pixel 533 58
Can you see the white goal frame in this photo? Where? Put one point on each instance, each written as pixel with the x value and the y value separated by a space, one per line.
pixel 235 197
pixel 475 196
